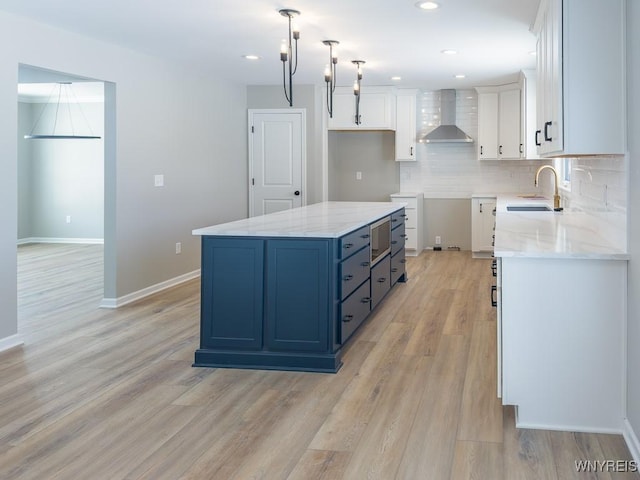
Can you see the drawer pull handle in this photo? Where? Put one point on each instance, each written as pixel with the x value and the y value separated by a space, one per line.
pixel 394 219
pixel 394 270
pixel 382 280
pixel 393 242
pixel 364 264
pixel 366 235
pixel 347 318
pixel 494 290
pixel 348 277
pixel 348 245
pixel 365 300
pixel 404 260
pixel 547 138
pixel 538 132
pixel 404 236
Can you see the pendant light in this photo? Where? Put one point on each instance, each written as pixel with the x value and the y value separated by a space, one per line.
pixel 289 51
pixel 330 74
pixel 66 111
pixel 356 88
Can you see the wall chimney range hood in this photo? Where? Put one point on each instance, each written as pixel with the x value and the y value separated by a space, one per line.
pixel 447 132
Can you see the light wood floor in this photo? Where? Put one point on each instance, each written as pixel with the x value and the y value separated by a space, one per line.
pixel 103 394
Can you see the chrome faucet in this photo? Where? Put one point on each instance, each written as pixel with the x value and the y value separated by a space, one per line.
pixel 556 195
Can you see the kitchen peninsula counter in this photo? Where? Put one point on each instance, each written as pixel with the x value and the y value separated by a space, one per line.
pixel 287 290
pixel 560 295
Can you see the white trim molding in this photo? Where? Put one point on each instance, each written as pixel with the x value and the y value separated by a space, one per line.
pixel 145 292
pixel 632 441
pixel 92 241
pixel 10 342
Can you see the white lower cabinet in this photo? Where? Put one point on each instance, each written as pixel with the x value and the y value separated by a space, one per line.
pixel 482 224
pixel 414 238
pixel 561 342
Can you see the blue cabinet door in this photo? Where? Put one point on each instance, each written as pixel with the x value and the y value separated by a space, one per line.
pixel 298 295
pixel 232 293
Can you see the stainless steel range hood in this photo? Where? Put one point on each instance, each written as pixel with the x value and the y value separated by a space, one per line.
pixel 447 132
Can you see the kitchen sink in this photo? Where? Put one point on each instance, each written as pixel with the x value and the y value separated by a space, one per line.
pixel 528 208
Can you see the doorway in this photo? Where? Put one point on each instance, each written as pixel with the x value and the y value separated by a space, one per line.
pixel 65 186
pixel 277 160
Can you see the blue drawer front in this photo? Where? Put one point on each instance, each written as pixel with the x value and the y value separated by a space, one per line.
pixel 353 272
pixel 397 219
pixel 398 263
pixel 397 239
pixel 354 241
pixel 354 310
pixel 380 280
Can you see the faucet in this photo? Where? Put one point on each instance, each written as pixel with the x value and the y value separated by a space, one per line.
pixel 556 195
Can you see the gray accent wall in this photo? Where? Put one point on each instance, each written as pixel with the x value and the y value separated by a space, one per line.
pixel 370 153
pixel 160 118
pixel 633 293
pixel 60 178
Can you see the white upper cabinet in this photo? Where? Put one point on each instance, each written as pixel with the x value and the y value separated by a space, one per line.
pixel 406 129
pixel 377 109
pixel 581 78
pixel 500 122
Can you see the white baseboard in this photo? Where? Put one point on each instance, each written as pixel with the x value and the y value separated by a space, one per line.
pixel 632 441
pixel 145 292
pixel 11 342
pixel 92 241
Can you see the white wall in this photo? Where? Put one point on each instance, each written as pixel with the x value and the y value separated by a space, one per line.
pixel 168 120
pixel 633 135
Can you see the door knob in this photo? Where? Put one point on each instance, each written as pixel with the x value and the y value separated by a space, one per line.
pixel 296 193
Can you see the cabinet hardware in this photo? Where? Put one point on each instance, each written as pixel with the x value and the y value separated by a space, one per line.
pixel 404 236
pixel 382 280
pixel 348 277
pixel 364 264
pixel 481 208
pixel 393 242
pixel 394 270
pixel 366 235
pixel 547 138
pixel 538 132
pixel 521 148
pixel 481 150
pixel 347 318
pixel 411 151
pixel 365 300
pixel 494 290
pixel 500 150
pixel 348 245
pixel 394 219
pixel 404 260
pixel 296 193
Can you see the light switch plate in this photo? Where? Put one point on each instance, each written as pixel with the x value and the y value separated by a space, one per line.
pixel 158 180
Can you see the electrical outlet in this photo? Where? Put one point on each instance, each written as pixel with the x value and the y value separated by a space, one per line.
pixel 358 175
pixel 68 218
pixel 158 180
pixel 438 240
pixel 178 248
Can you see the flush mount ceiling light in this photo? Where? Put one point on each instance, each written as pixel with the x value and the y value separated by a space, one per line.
pixel 289 54
pixel 251 57
pixel 427 5
pixel 460 75
pixel 330 74
pixel 64 113
pixel 356 88
pixel 396 79
pixel 449 52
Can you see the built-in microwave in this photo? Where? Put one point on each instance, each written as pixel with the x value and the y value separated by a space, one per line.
pixel 380 239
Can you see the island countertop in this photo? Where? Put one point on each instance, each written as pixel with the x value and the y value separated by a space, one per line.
pixel 320 220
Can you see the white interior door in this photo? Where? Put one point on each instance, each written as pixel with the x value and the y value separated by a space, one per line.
pixel 276 160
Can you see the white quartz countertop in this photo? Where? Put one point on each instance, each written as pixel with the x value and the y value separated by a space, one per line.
pixel 566 234
pixel 325 220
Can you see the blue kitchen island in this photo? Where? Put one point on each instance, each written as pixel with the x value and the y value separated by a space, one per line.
pixel 286 291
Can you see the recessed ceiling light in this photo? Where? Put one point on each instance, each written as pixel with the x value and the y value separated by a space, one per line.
pixel 251 57
pixel 449 52
pixel 460 75
pixel 396 78
pixel 427 5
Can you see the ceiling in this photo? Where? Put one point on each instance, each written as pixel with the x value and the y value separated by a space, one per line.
pixel 394 37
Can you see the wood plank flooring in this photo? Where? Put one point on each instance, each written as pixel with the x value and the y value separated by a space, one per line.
pixel 111 394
